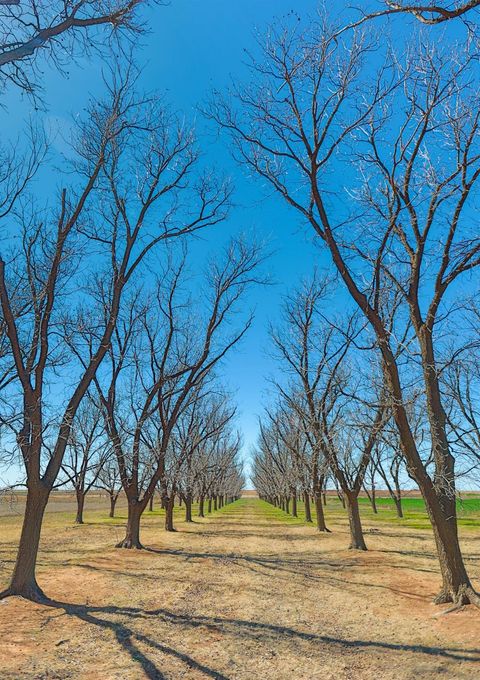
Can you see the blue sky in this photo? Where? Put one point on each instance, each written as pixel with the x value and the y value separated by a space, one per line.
pixel 194 46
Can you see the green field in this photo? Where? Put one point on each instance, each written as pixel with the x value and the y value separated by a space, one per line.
pixel 414 512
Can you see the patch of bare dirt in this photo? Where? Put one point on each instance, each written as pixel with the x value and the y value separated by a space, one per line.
pixel 237 595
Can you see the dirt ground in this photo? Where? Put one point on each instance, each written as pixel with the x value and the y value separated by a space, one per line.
pixel 242 594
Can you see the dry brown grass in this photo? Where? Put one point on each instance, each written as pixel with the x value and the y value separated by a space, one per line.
pixel 243 594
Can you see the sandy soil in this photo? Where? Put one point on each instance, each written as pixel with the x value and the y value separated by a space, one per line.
pixel 242 594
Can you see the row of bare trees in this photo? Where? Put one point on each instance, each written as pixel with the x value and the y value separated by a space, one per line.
pixel 76 297
pixel 81 316
pixel 201 462
pixel 383 164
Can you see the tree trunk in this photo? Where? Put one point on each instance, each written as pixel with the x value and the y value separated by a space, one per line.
pixel 287 505
pixel 23 581
pixel 132 534
pixel 169 513
pixel 215 503
pixel 209 504
pixel 113 502
pixel 150 503
pixel 308 512
pixel 324 496
pixel 294 505
pixel 188 508
pixel 357 541
pixel 398 506
pixel 321 526
pixel 201 504
pixel 80 505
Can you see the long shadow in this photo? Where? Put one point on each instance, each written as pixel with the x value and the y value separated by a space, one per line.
pixel 127 638
pixel 296 567
pixel 126 635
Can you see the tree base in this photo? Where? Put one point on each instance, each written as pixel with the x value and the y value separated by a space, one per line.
pixel 31 592
pixel 363 548
pixel 463 596
pixel 130 545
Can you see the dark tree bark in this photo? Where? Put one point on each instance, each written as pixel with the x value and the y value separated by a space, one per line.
pixel 294 505
pixel 201 506
pixel 169 513
pixel 308 512
pixel 80 496
pixel 357 541
pixel 132 534
pixel 188 508
pixel 321 525
pixel 113 502
pixel 23 581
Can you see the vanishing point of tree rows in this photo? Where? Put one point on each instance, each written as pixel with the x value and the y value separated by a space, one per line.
pixel 112 336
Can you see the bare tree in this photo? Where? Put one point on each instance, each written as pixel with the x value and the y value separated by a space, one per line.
pixel 58 31
pixel 108 480
pixel 417 154
pixel 166 363
pixel 132 159
pixel 87 453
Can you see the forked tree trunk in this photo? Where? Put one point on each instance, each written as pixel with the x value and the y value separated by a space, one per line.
pixel 169 513
pixel 201 506
pixel 357 541
pixel 188 508
pixel 321 526
pixel 132 534
pixel 308 512
pixel 23 581
pixel 113 502
pixel 80 505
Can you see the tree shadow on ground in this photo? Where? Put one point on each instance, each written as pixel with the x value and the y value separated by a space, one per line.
pixel 130 639
pixel 335 572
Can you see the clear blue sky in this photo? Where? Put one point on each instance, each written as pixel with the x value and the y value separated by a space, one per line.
pixel 194 46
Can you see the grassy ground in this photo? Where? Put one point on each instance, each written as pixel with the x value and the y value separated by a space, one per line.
pixel 246 593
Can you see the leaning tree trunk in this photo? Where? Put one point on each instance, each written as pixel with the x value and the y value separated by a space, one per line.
pixel 201 506
pixel 169 513
pixel 24 582
pixel 132 534
pixel 308 512
pixel 398 506
pixel 321 526
pixel 188 508
pixel 357 541
pixel 80 505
